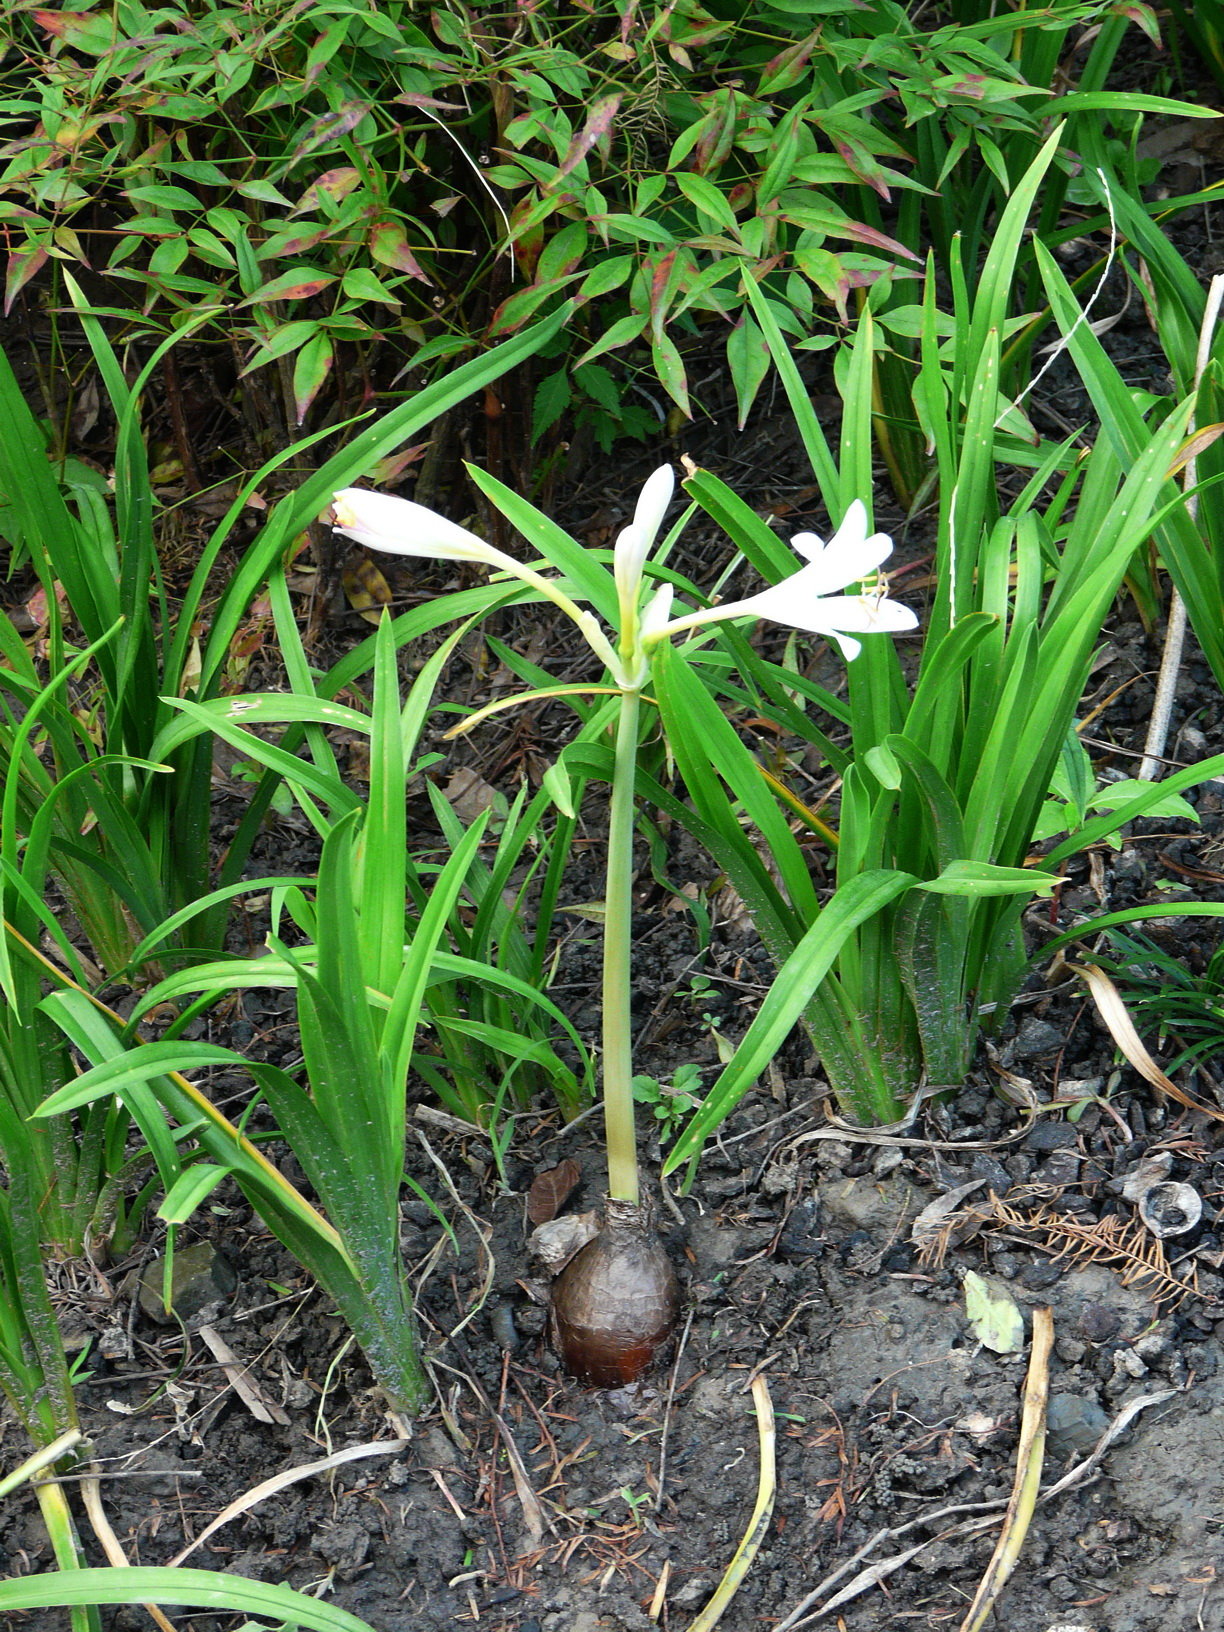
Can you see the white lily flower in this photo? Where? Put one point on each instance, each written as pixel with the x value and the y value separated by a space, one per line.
pixel 382 522
pixel 401 527
pixel 805 599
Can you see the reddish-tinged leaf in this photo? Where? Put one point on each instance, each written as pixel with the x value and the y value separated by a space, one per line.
pixel 719 136
pixel 296 243
pixel 840 226
pixel 90 31
pixel 290 286
pixel 526 246
pixel 551 1190
pixel 418 99
pixel 982 88
pixel 523 304
pixel 596 128
pixel 335 184
pixel 782 71
pixel 865 165
pixel 1146 19
pixel 389 247
pixel 328 126
pixel 385 472
pixel 311 367
pixel 660 282
pixel 23 264
pixel 670 371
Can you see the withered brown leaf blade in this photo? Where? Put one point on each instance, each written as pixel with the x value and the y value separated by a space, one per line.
pixel 551 1190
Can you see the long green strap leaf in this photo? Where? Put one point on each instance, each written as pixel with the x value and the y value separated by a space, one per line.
pixel 811 961
pixel 192 1589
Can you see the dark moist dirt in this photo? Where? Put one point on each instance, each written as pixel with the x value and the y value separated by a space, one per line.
pixel 896 1430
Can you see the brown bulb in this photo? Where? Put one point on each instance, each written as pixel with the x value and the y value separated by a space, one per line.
pixel 616 1303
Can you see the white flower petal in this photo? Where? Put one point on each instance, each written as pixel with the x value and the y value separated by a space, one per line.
pixel 853 526
pixel 628 559
pixel 654 499
pixel 850 648
pixel 864 614
pixel 400 527
pixel 851 555
pixel 636 541
pixel 656 612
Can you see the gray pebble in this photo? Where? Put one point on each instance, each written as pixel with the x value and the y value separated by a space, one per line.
pixel 1073 1425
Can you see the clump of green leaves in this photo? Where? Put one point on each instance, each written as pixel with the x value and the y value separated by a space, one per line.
pixel 391 180
pixel 1075 797
pixel 920 944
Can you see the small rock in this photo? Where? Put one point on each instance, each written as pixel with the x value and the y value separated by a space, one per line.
pixel 1152 1345
pixel 869 1203
pixel 344 1545
pixel 714 1245
pixel 1097 1323
pixel 1062 1586
pixel 200 1276
pixel 802 1236
pixel 1005 1264
pixel 1046 1136
pixel 889 1159
pixel 1037 1277
pixel 832 1155
pixel 434 1449
pixel 1059 1170
pixel 1037 1037
pixel 1074 1423
pixel 693 1592
pixel 985 1166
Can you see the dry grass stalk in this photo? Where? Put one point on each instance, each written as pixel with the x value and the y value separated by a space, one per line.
pixel 1030 1455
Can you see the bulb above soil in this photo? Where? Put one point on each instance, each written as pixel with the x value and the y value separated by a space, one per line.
pixel 616 1303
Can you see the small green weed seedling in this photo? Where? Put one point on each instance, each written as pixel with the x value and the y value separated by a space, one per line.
pixel 670 1104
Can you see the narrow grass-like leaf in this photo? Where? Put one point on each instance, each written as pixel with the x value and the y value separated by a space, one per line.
pixel 812 960
pixel 190 1589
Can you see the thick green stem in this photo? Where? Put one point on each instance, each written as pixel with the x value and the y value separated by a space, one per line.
pixel 57 1517
pixel 618 942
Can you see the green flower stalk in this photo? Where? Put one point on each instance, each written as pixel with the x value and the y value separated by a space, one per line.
pixel 809 600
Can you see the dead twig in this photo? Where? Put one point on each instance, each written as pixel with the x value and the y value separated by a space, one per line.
pixel 667 1409
pixel 533 1511
pixel 91 1495
pixel 1175 631
pixel 280 1481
